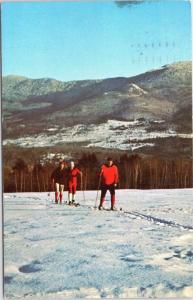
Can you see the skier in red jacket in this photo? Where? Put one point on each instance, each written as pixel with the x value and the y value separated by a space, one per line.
pixel 109 180
pixel 58 179
pixel 72 174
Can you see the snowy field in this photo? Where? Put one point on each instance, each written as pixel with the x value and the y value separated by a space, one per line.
pixel 132 135
pixel 57 251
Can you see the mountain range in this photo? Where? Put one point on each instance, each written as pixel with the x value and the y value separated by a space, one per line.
pixel 161 98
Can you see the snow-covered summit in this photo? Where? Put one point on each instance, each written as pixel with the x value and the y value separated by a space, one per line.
pixel 135 90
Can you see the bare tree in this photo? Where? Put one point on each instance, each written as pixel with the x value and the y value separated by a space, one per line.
pixel 20 169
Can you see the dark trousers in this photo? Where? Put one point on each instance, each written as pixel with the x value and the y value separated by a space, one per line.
pixel 104 189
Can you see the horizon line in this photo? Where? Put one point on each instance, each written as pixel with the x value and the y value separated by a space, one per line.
pixel 96 79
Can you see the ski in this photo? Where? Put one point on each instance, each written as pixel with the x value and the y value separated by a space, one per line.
pixel 75 204
pixel 55 205
pixel 108 209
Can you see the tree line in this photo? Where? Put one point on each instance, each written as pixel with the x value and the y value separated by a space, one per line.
pixel 135 172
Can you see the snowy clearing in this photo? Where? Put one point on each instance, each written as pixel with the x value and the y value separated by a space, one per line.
pixel 56 251
pixel 113 134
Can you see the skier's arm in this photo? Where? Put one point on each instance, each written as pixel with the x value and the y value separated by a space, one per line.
pixel 116 176
pixel 52 177
pixel 101 171
pixel 79 172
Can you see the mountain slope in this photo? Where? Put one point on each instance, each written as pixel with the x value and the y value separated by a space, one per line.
pixel 164 94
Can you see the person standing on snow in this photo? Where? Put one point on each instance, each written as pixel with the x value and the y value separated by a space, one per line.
pixel 58 179
pixel 109 179
pixel 72 174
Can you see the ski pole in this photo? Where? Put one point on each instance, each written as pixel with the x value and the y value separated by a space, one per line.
pixel 98 191
pixel 53 187
pixel 49 194
pixel 48 202
pixel 84 196
pixel 82 188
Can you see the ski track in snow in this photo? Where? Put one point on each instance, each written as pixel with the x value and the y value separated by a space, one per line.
pixel 158 221
pixel 131 135
pixel 57 251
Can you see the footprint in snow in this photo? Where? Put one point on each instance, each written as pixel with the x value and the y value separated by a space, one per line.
pixel 99 226
pixel 8 279
pixel 181 254
pixel 94 256
pixel 131 258
pixel 31 268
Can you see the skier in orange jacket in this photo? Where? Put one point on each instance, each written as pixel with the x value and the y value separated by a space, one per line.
pixel 109 180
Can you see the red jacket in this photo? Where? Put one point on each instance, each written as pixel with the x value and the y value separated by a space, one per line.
pixel 72 175
pixel 109 175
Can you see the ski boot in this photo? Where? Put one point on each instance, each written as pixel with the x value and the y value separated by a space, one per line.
pixel 114 208
pixel 101 207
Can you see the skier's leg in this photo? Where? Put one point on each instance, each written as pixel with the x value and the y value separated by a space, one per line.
pixel 112 191
pixel 73 192
pixel 56 192
pixel 69 193
pixel 103 194
pixel 61 192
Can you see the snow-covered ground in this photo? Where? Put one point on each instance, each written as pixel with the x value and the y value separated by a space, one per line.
pixel 55 156
pixel 57 251
pixel 112 134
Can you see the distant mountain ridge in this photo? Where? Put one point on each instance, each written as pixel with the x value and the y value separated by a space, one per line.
pixel 161 94
pixel 20 87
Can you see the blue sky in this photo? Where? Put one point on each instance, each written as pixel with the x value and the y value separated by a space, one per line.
pixel 93 40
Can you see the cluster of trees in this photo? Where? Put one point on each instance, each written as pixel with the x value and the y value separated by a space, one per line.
pixel 135 173
pixel 155 173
